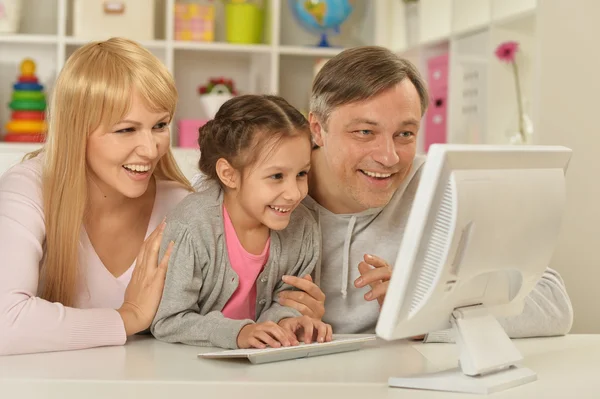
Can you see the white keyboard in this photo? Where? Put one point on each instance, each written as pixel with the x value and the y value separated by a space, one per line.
pixel 339 343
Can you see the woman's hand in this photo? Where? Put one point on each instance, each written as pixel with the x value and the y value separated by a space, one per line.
pixel 309 300
pixel 145 289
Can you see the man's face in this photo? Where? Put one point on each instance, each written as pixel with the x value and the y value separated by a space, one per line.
pixel 367 149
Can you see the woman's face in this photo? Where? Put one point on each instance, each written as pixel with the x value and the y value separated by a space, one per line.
pixel 122 158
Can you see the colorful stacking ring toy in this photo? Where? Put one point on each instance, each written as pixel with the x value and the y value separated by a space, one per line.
pixel 28 104
pixel 24 138
pixel 24 127
pixel 28 115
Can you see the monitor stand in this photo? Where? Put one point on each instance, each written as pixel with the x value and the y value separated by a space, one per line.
pixel 487 358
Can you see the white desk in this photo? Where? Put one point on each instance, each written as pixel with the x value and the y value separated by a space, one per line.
pixel 567 367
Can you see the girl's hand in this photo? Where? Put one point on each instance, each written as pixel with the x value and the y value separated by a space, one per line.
pixel 144 291
pixel 311 329
pixel 265 334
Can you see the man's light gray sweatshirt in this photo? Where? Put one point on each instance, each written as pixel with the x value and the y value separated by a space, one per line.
pixel 378 231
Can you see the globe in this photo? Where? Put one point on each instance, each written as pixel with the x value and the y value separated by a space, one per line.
pixel 321 16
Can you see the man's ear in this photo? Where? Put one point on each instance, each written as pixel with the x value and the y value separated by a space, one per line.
pixel 315 129
pixel 227 174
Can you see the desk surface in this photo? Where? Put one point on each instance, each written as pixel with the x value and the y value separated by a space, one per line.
pixel 149 369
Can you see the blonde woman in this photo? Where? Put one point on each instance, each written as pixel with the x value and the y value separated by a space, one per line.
pixel 81 220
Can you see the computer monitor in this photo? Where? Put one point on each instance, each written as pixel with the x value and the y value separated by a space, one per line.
pixel 479 236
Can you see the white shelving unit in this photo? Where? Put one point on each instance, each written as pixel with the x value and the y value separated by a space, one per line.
pixel 468 30
pixel 481 96
pixel 282 65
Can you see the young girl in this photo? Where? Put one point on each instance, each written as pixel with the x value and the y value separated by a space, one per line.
pixel 242 232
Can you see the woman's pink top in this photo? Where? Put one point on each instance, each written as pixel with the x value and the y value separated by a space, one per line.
pixel 29 324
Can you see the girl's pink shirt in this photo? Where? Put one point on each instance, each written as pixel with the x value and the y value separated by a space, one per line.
pixel 242 304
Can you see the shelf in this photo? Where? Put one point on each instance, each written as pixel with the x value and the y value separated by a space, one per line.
pixel 222 47
pixel 523 21
pixel 296 79
pixel 28 147
pixel 469 15
pixel 435 21
pixel 468 30
pixel 472 31
pixel 39 17
pixel 151 44
pixel 310 51
pixel 28 38
pixel 507 9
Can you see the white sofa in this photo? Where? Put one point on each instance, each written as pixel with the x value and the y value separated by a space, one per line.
pixel 11 154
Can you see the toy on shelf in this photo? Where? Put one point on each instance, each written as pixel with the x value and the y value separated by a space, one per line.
pixel 321 16
pixel 244 21
pixel 28 107
pixel 195 22
pixel 214 94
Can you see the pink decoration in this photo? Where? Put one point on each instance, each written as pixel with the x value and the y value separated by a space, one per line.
pixel 188 132
pixel 435 118
pixel 506 51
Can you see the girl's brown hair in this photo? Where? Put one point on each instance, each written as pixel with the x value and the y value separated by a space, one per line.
pixel 244 125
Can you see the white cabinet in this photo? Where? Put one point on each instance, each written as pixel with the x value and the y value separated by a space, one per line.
pixel 282 65
pixel 480 99
pixel 480 92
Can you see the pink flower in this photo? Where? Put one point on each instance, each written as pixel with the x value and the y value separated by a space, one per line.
pixel 506 51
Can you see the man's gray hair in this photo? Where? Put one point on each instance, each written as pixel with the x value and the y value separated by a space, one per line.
pixel 359 73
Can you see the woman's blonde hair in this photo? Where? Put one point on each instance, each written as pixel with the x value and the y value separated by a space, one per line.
pixel 93 90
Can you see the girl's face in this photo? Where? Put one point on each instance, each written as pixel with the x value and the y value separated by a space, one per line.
pixel 274 186
pixel 122 158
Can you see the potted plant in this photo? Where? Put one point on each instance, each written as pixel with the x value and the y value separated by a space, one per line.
pixel 214 93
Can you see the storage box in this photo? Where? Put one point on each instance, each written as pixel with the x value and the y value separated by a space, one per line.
pixel 188 132
pixel 436 122
pixel 10 16
pixel 102 19
pixel 436 119
pixel 244 22
pixel 437 72
pixel 194 22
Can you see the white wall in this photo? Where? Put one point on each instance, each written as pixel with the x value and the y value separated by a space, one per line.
pixel 568 114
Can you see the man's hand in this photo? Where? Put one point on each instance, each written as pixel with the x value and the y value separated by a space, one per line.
pixel 376 273
pixel 310 300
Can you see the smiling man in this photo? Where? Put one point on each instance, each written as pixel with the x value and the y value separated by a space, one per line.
pixel 365 112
